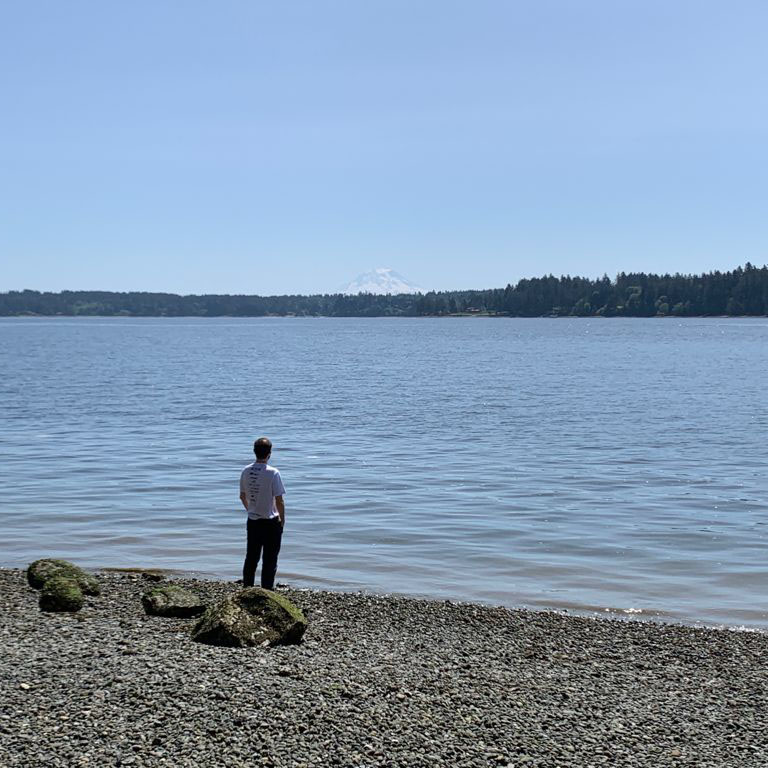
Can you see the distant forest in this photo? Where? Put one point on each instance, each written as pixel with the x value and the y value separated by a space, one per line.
pixel 743 291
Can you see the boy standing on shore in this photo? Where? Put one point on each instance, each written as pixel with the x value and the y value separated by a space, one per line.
pixel 261 492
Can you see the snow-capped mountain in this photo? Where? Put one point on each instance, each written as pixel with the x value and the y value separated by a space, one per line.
pixel 380 280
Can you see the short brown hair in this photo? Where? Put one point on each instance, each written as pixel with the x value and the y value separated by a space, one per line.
pixel 262 448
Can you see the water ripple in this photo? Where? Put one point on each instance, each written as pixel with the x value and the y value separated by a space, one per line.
pixel 579 464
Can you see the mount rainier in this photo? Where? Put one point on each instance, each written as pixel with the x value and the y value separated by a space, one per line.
pixel 381 280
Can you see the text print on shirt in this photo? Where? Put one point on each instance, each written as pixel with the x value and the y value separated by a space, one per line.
pixel 261 483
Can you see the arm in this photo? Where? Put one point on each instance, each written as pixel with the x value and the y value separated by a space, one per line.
pixel 280 504
pixel 243 493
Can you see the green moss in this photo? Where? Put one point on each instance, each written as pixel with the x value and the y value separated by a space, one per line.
pixel 61 594
pixel 225 624
pixel 39 572
pixel 253 616
pixel 172 600
pixel 292 610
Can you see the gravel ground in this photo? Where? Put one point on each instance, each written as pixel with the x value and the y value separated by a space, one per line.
pixel 378 681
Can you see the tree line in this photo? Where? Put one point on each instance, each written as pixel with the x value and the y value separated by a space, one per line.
pixel 742 291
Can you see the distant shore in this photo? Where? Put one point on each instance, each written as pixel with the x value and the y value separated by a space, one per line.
pixel 495 315
pixel 378 681
pixel 741 292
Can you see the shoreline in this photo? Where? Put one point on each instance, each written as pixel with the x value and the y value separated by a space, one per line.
pixel 597 613
pixel 444 315
pixel 378 681
pixel 294 583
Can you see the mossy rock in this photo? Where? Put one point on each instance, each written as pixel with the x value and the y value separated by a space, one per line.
pixel 253 616
pixel 61 594
pixel 39 572
pixel 172 601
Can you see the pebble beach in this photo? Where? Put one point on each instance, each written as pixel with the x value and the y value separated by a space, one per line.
pixel 377 681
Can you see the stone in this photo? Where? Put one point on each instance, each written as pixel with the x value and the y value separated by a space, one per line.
pixel 251 617
pixel 172 601
pixel 149 575
pixel 61 594
pixel 41 570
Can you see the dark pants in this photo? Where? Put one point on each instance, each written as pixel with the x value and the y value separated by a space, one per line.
pixel 266 535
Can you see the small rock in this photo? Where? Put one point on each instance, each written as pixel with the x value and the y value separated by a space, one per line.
pixel 152 575
pixel 172 601
pixel 61 594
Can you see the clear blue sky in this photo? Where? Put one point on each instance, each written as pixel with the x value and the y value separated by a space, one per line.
pixel 280 147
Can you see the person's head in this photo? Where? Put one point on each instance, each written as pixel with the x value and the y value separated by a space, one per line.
pixel 262 448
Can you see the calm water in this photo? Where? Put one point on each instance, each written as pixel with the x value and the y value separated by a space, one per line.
pixel 582 464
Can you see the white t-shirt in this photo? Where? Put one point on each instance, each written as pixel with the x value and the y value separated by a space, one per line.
pixel 261 483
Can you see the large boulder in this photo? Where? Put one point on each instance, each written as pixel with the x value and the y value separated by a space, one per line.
pixel 172 601
pixel 41 570
pixel 253 616
pixel 61 594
